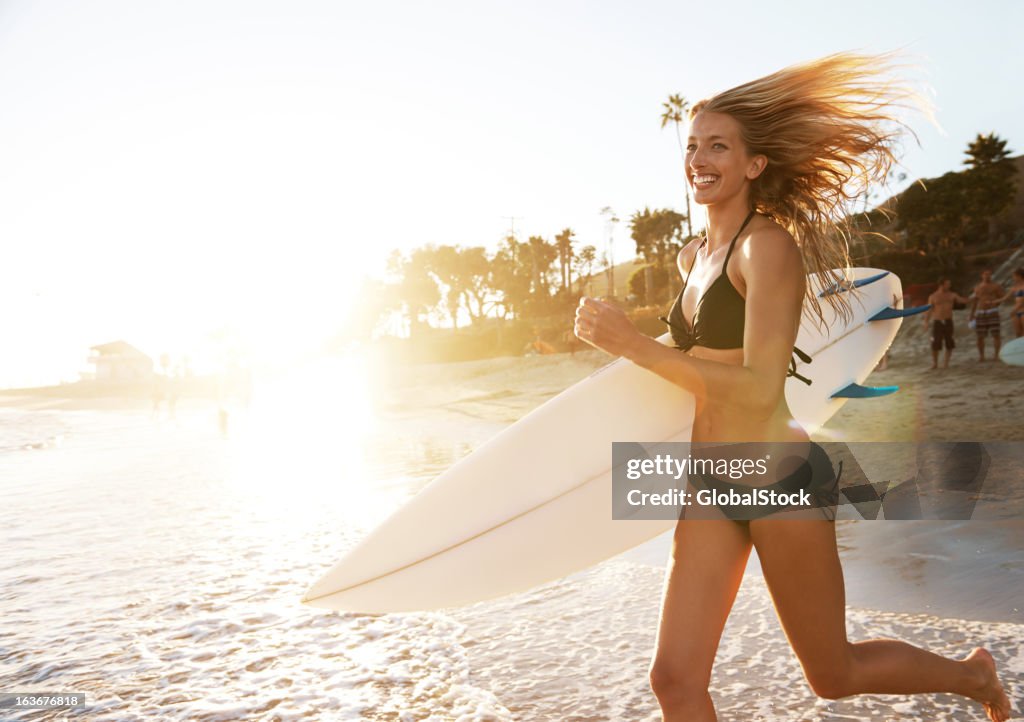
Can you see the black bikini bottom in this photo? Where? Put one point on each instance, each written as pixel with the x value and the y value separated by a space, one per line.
pixel 814 482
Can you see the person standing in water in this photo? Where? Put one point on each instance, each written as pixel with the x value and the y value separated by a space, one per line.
pixel 772 162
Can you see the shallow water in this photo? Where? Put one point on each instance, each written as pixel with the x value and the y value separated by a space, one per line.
pixel 157 567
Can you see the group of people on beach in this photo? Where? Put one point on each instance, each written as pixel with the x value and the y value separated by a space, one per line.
pixel 986 298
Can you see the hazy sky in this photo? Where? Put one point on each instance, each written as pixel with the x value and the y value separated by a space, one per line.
pixel 169 168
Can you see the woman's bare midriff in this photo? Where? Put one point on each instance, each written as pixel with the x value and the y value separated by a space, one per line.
pixel 721 422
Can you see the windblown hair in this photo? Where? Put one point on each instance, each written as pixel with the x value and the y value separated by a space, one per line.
pixel 829 129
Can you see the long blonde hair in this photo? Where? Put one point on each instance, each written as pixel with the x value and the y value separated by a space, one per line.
pixel 829 129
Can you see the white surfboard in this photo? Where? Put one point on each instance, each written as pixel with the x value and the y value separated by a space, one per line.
pixel 533 503
pixel 1012 352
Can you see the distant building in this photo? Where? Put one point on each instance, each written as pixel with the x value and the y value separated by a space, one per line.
pixel 119 361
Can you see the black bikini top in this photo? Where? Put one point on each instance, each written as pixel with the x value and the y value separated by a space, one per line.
pixel 722 326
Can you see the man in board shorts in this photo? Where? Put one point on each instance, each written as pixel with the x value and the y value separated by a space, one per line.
pixel 941 316
pixel 985 312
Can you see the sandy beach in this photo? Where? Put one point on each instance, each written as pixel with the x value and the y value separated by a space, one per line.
pixel 932 569
pixel 967 401
pixel 187 553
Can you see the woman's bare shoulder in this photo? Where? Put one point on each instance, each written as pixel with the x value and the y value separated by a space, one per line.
pixel 771 253
pixel 770 244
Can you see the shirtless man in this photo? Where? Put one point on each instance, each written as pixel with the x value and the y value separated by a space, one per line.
pixel 985 312
pixel 1016 292
pixel 941 316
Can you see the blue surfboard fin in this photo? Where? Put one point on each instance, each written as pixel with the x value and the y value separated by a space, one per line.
pixel 887 313
pixel 840 288
pixel 856 391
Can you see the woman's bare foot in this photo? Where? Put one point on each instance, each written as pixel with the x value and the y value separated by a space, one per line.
pixel 989 692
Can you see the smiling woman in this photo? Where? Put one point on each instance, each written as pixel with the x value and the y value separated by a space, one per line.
pixel 716 135
pixel 775 162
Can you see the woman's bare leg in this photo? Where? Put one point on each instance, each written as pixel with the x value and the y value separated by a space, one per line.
pixel 801 568
pixel 703 576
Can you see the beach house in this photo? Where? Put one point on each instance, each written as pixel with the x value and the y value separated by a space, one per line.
pixel 119 361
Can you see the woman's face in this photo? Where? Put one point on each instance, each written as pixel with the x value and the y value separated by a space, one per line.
pixel 718 165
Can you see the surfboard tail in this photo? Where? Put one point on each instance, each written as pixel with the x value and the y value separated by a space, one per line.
pixel 890 312
pixel 857 391
pixel 843 288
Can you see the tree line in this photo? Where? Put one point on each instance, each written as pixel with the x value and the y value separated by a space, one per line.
pixel 540 277
pixel 535 278
pixel 959 209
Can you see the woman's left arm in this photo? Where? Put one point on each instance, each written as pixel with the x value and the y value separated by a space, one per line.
pixel 775 281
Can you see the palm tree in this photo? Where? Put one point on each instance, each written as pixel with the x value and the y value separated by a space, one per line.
pixel 991 182
pixel 474 270
pixel 608 259
pixel 656 234
pixel 676 106
pixel 564 242
pixel 584 261
pixel 510 277
pixel 416 287
pixel 986 150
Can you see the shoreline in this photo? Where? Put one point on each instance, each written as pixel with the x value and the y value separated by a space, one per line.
pixel 935 567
